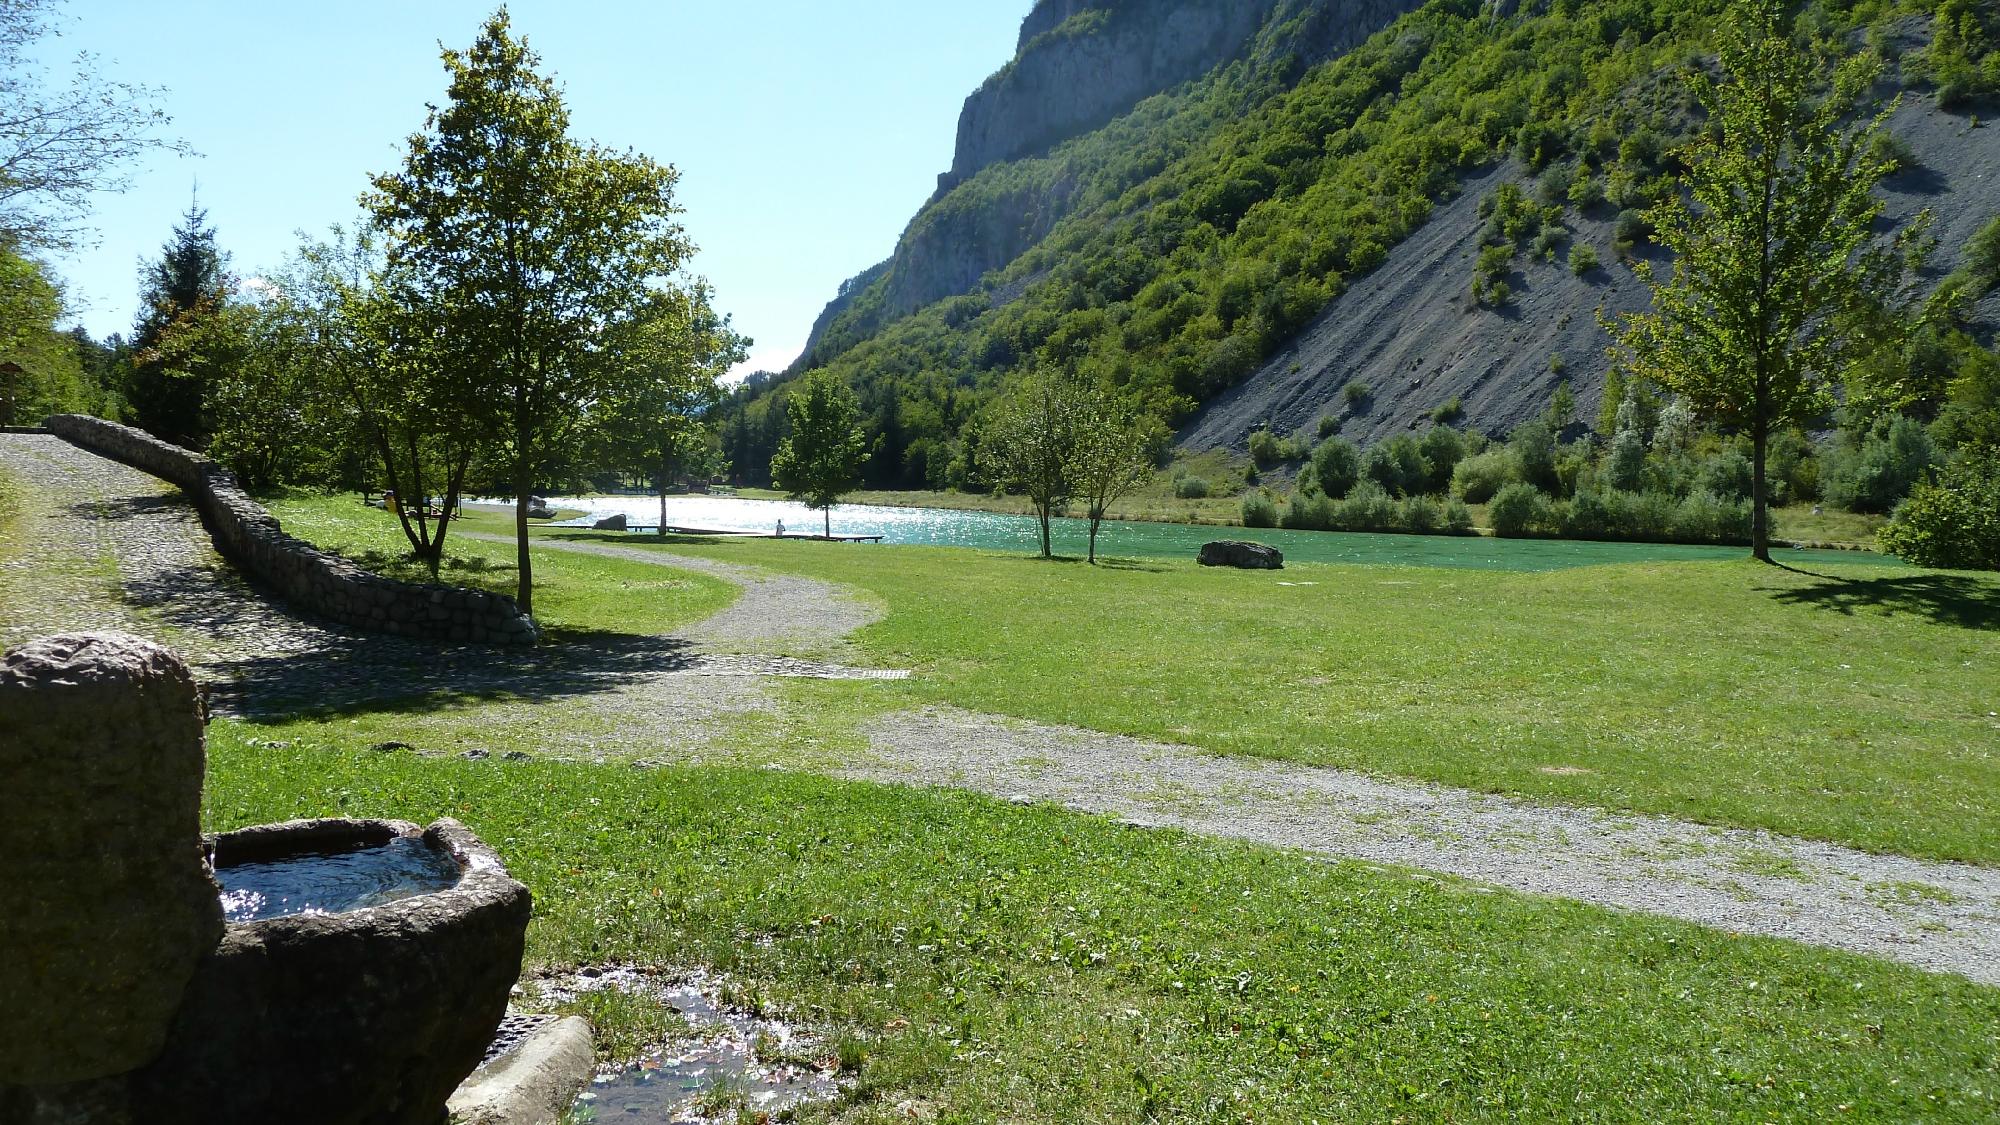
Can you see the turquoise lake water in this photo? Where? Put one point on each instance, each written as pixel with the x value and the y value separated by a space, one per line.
pixel 944 527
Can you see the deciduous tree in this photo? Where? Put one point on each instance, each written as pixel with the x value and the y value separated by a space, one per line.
pixel 1031 441
pixel 1780 282
pixel 660 420
pixel 1111 458
pixel 541 256
pixel 821 460
pixel 60 142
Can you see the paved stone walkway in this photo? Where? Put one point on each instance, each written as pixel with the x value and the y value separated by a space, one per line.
pixel 104 546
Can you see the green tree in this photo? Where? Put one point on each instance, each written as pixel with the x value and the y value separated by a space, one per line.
pixel 1780 284
pixel 660 422
pixel 821 460
pixel 189 283
pixel 1031 441
pixel 40 372
pixel 62 142
pixel 541 259
pixel 388 383
pixel 1112 455
pixel 256 405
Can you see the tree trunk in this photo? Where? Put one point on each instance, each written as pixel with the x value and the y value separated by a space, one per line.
pixel 1094 521
pixel 1042 517
pixel 826 522
pixel 1760 529
pixel 524 483
pixel 663 508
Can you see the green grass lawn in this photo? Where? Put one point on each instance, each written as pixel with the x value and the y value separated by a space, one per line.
pixel 573 593
pixel 989 962
pixel 1854 706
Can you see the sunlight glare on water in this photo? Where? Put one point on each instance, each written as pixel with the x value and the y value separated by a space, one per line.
pixel 948 527
pixel 335 882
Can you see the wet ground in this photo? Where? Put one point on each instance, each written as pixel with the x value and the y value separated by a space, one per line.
pixel 729 1061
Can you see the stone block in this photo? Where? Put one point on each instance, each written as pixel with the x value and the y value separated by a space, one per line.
pixel 109 905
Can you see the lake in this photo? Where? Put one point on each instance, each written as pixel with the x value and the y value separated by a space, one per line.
pixel 950 527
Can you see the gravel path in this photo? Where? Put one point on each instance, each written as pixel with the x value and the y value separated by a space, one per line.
pixel 665 693
pixel 774 611
pixel 1939 916
pixel 105 546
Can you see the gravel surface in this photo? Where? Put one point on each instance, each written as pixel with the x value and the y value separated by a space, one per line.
pixel 666 694
pixel 1938 916
pixel 104 546
pixel 774 611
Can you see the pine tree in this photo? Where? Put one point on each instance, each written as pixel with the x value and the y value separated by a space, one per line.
pixel 189 282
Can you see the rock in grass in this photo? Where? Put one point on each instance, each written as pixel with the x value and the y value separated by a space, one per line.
pixel 1244 556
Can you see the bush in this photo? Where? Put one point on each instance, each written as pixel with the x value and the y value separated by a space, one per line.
pixel 1268 449
pixel 1357 394
pixel 1336 465
pixel 1477 478
pixel 1259 511
pixel 1728 474
pixel 1589 516
pixel 1457 518
pixel 1953 523
pixel 1520 509
pixel 1448 411
pixel 1630 230
pixel 1421 515
pixel 1398 465
pixel 1582 258
pixel 1887 464
pixel 1586 191
pixel 1367 508
pixel 1309 512
pixel 1327 425
pixel 1707 518
pixel 1191 488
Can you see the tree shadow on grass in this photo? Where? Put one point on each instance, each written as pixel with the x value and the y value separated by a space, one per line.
pixel 1946 599
pixel 275 662
pixel 373 674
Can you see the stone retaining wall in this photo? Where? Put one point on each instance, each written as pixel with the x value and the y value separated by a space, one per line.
pixel 309 578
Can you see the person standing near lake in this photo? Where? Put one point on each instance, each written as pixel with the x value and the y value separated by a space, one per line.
pixel 781 529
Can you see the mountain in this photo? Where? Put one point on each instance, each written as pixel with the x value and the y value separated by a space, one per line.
pixel 1234 210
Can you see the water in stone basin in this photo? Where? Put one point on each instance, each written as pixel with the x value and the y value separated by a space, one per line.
pixel 335 882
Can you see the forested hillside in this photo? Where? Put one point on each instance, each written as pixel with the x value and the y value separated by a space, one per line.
pixel 1216 230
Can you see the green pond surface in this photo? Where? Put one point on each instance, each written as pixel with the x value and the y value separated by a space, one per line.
pixel 950 527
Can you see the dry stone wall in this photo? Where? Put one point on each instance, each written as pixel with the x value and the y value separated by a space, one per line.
pixel 307 577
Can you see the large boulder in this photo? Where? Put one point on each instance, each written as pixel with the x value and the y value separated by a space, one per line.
pixel 611 523
pixel 109 906
pixel 1244 556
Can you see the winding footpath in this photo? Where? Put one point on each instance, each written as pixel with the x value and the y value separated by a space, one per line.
pixel 103 546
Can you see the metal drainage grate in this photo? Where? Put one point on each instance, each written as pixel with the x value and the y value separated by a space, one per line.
pixel 514 1028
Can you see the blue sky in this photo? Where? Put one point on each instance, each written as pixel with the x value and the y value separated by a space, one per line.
pixel 807 133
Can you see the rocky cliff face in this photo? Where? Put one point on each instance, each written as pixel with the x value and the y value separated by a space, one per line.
pixel 1079 65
